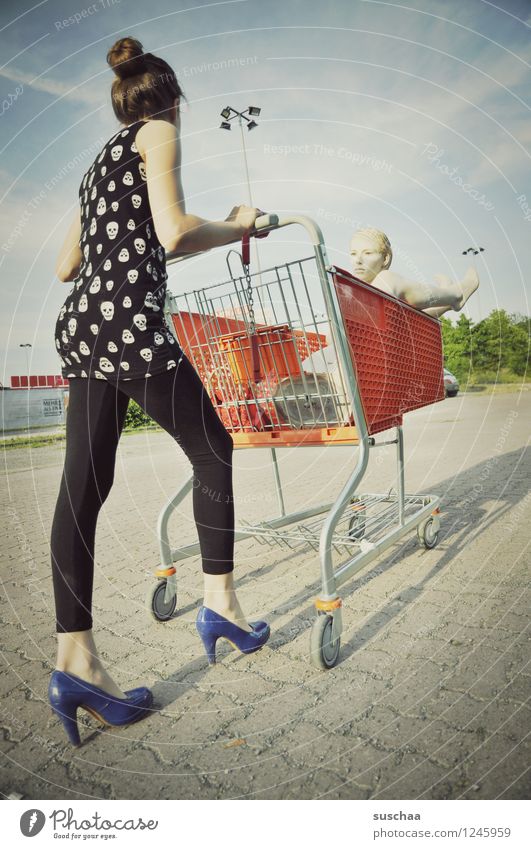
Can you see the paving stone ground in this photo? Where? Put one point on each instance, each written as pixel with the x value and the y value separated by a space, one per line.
pixel 429 699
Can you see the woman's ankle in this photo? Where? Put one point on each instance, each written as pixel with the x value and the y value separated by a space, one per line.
pixel 81 666
pixel 223 606
pixel 220 596
pixel 229 609
pixel 82 660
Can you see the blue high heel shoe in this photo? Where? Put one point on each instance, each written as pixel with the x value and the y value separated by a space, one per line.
pixel 67 693
pixel 211 626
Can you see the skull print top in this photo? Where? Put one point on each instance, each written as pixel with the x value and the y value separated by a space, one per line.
pixel 112 323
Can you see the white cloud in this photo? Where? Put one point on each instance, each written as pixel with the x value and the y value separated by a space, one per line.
pixel 81 93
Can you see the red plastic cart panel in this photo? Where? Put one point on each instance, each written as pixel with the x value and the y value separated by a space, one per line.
pixel 396 352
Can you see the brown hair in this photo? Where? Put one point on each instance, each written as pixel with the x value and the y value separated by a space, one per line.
pixel 145 86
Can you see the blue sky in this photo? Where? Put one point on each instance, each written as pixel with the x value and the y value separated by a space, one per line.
pixel 411 116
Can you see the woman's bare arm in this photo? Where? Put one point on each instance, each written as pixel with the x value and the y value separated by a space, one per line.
pixel 177 230
pixel 70 257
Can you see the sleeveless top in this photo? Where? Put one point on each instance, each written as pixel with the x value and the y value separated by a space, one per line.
pixel 112 323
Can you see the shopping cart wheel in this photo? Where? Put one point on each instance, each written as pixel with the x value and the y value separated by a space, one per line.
pixel 159 609
pixel 356 526
pixel 324 652
pixel 428 533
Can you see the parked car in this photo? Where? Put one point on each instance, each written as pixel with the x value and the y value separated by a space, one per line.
pixel 451 384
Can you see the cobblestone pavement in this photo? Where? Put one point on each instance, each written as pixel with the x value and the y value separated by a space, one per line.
pixel 428 699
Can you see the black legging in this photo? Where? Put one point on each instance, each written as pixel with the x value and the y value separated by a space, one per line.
pixel 177 400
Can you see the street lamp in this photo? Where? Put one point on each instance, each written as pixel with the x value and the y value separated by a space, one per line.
pixel 26 345
pixel 474 251
pixel 229 113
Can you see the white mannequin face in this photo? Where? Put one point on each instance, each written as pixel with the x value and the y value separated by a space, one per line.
pixel 367 259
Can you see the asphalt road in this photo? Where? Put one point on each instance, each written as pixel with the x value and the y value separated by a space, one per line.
pixel 428 699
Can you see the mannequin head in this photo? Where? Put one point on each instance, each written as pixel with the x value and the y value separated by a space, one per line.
pixel 371 253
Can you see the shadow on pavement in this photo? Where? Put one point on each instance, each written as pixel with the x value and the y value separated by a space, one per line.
pixel 471 503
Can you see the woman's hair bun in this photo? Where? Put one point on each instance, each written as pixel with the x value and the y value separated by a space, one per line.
pixel 126 57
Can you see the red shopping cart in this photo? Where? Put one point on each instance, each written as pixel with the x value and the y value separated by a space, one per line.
pixel 305 354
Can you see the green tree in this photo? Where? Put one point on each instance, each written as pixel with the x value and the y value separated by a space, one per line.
pixel 518 359
pixel 136 417
pixel 493 342
pixel 458 345
pixel 495 349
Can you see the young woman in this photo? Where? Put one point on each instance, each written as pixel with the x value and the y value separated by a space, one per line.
pixel 371 254
pixel 114 345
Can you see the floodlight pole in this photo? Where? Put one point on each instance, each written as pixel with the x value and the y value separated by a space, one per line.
pixel 249 193
pixel 245 162
pixel 475 252
pixel 228 114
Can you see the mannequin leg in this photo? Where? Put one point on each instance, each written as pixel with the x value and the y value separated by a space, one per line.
pixel 436 312
pixel 443 295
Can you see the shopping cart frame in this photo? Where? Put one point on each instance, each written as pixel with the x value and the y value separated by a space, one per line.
pixel 405 512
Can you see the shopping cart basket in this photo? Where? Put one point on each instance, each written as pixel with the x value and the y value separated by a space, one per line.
pixel 304 354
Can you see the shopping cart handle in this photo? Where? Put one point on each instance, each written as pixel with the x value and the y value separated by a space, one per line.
pixel 264 222
pixel 263 225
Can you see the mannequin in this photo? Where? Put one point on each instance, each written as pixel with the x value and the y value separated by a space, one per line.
pixel 371 254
